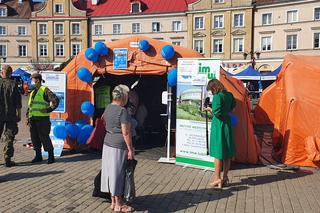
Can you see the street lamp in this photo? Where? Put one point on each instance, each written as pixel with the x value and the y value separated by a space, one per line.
pixel 253 56
pixel 4 61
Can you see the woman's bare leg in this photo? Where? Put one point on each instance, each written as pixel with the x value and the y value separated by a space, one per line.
pixel 217 169
pixel 226 168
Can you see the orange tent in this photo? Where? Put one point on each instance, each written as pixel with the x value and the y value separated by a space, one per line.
pixel 152 63
pixel 292 105
pixel 247 149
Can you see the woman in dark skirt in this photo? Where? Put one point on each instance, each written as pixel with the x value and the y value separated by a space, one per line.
pixel 117 148
pixel 222 146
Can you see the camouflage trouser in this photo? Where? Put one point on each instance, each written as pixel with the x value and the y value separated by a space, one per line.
pixel 9 130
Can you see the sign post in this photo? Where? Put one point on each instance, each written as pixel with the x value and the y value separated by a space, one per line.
pixel 193 76
pixel 57 83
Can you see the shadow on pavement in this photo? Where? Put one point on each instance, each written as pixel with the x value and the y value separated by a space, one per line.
pixel 187 199
pixel 181 200
pixel 24 175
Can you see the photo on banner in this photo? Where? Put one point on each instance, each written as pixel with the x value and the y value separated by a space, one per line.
pixel 192 123
pixel 56 142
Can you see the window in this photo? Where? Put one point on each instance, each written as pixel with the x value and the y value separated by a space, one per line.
pixel 316 39
pixel 317 14
pixel 292 42
pixel 176 26
pixel 136 28
pixel 292 16
pixel 98 29
pixel 218 45
pixel 177 43
pixel 156 27
pixel 76 48
pixel 218 1
pixel 267 19
pixel 42 29
pixel 135 8
pixel 58 28
pixel 3 12
pixel 75 28
pixel 199 23
pixel 22 50
pixel 116 29
pixel 3 50
pixel 59 50
pixel 22 30
pixel 266 43
pixel 238 45
pixel 238 20
pixel 3 30
pixel 198 46
pixel 58 8
pixel 218 21
pixel 43 50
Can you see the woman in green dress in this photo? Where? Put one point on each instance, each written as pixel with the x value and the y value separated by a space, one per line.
pixel 222 146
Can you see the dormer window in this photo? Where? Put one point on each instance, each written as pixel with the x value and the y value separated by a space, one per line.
pixel 58 8
pixel 3 12
pixel 136 7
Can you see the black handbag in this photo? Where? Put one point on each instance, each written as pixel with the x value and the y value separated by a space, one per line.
pixel 97 189
pixel 129 187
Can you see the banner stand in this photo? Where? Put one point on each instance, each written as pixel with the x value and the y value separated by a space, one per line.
pixel 168 159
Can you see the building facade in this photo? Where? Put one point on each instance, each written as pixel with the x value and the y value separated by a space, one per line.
pixel 59 32
pixel 15 33
pixel 285 27
pixel 220 28
pixel 112 20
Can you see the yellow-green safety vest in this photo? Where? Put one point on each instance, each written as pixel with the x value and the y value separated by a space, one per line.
pixel 102 97
pixel 38 103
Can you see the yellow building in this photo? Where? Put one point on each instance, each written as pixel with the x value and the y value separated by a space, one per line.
pixel 59 31
pixel 221 28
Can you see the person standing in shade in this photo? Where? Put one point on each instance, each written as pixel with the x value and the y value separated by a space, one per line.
pixel 10 112
pixel 42 102
pixel 222 145
pixel 117 148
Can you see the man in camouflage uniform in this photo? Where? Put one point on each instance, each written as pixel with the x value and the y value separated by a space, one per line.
pixel 41 103
pixel 10 112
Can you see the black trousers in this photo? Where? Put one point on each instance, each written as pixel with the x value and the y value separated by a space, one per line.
pixel 10 129
pixel 40 130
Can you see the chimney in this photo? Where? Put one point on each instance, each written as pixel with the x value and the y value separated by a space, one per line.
pixel 94 2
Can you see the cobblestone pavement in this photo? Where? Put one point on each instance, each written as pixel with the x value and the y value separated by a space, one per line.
pixel 67 185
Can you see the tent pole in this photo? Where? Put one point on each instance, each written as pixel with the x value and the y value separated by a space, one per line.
pixel 169 121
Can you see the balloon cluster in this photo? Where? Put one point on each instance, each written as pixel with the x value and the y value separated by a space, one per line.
pixel 92 54
pixel 80 131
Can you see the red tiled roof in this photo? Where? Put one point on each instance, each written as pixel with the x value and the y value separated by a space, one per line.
pixel 123 7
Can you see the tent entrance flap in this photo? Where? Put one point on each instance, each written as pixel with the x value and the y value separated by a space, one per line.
pixel 144 105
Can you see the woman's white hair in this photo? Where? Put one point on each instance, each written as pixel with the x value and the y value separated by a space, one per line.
pixel 119 92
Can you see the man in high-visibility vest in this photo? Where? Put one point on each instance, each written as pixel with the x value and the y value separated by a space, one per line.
pixel 41 103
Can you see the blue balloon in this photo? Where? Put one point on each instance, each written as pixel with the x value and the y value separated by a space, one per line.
pixel 84 75
pixel 73 131
pixel 144 45
pixel 88 129
pixel 91 55
pixel 101 48
pixel 81 123
pixel 172 77
pixel 60 132
pixel 87 108
pixel 234 119
pixel 83 137
pixel 167 52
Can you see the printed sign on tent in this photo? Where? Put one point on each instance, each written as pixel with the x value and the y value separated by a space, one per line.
pixel 191 143
pixel 57 83
pixel 120 60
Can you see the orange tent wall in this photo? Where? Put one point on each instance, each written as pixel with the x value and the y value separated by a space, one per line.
pixel 247 149
pixel 292 104
pixel 152 63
